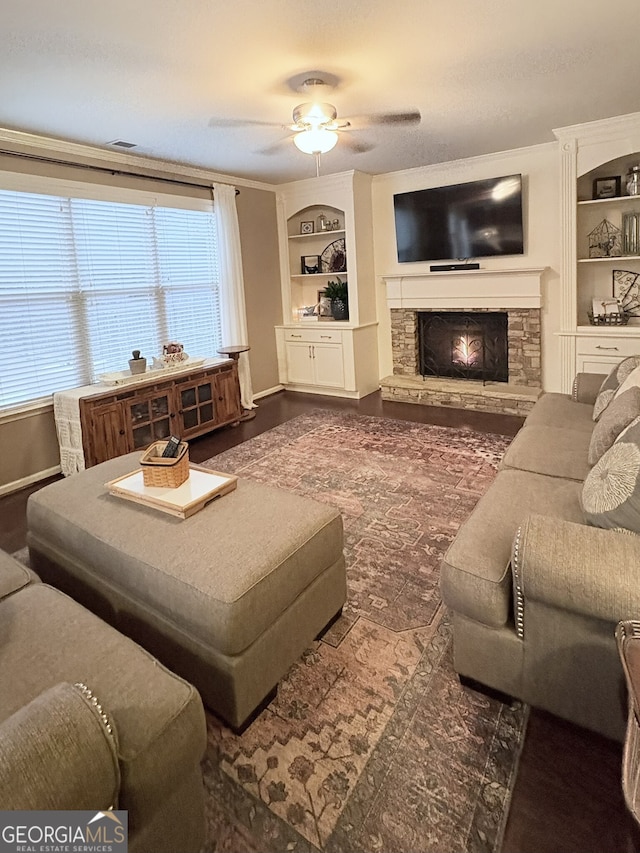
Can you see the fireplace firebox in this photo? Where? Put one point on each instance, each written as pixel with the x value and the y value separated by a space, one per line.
pixel 463 345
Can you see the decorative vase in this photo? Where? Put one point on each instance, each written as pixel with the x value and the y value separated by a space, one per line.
pixel 339 309
pixel 137 364
pixel 633 180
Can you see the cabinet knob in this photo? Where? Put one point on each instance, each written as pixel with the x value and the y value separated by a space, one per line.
pixel 220 399
pixel 172 415
pixel 601 347
pixel 121 432
pixel 180 412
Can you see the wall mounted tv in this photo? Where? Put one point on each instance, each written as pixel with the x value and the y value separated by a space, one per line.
pixel 473 220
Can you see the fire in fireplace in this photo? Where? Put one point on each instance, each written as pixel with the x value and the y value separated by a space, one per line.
pixel 464 345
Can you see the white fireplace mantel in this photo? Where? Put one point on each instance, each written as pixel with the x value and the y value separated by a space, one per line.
pixel 466 289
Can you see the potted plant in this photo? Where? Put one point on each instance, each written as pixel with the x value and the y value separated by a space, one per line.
pixel 338 294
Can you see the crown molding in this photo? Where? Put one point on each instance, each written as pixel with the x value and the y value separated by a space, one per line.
pixel 31 143
pixel 436 168
pixel 601 129
pixel 334 180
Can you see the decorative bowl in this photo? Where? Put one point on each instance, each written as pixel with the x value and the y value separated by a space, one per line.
pixel 174 357
pixel 170 359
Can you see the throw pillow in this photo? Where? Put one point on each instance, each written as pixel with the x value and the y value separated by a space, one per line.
pixel 617 375
pixel 616 417
pixel 611 490
pixel 632 381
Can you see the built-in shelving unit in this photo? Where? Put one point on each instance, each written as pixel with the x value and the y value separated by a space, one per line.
pixel 305 288
pixel 327 356
pixel 600 149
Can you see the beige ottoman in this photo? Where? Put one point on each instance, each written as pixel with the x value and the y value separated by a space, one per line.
pixel 228 598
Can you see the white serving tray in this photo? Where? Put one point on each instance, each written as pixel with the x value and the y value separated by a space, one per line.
pixel 125 377
pixel 193 495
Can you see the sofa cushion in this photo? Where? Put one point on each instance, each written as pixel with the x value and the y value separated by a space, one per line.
pixel 617 416
pixel 13 576
pixel 549 450
pixel 476 574
pixel 611 492
pixel 47 638
pixel 57 753
pixel 617 376
pixel 561 410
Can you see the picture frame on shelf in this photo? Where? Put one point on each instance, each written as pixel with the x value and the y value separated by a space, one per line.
pixel 605 306
pixel 610 187
pixel 310 264
pixel 323 306
pixel 307 227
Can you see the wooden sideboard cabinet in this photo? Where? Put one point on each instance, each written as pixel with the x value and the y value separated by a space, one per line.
pixel 124 418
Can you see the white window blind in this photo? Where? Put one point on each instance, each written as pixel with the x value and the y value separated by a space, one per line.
pixel 83 282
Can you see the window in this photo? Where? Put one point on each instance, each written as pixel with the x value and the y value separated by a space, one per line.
pixel 84 281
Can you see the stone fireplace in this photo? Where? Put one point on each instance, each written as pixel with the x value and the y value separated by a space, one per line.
pixel 463 345
pixel 466 339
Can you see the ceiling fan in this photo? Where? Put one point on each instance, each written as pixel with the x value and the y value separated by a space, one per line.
pixel 316 124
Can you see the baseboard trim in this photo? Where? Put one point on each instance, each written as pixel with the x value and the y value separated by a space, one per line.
pixel 325 392
pixel 268 392
pixel 16 485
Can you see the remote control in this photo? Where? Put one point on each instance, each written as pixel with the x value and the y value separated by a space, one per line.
pixel 172 447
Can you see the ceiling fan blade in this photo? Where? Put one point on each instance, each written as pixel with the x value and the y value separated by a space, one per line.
pixel 242 122
pixel 276 146
pixel 356 145
pixel 407 117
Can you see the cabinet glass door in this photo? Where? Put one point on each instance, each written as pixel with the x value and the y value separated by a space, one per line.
pixel 150 419
pixel 197 405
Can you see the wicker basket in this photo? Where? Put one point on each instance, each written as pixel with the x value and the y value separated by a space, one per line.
pixel 620 319
pixel 165 472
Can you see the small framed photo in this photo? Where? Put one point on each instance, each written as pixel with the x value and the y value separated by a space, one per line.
pixel 310 264
pixel 605 306
pixel 606 187
pixel 323 306
pixel 306 228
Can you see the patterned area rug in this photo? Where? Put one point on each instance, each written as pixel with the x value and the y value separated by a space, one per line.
pixel 371 743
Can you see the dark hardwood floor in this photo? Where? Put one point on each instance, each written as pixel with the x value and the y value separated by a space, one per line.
pixel 567 797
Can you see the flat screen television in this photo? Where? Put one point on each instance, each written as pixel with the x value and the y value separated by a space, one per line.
pixel 473 220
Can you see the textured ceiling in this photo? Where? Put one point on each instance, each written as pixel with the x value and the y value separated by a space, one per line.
pixel 486 76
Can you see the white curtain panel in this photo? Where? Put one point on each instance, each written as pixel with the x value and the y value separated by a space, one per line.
pixel 233 313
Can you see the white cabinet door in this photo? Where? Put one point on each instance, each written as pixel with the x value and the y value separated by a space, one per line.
pixel 328 363
pixel 300 368
pixel 595 364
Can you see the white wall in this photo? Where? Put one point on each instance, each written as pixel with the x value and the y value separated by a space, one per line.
pixel 540 168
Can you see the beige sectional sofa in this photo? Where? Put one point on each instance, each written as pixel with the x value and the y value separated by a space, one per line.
pixel 89 720
pixel 535 591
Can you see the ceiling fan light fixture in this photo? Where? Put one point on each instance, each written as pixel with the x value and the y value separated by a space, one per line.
pixel 317 141
pixel 314 114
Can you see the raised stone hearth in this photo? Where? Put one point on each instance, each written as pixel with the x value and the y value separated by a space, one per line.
pixel 500 397
pixel 517 293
